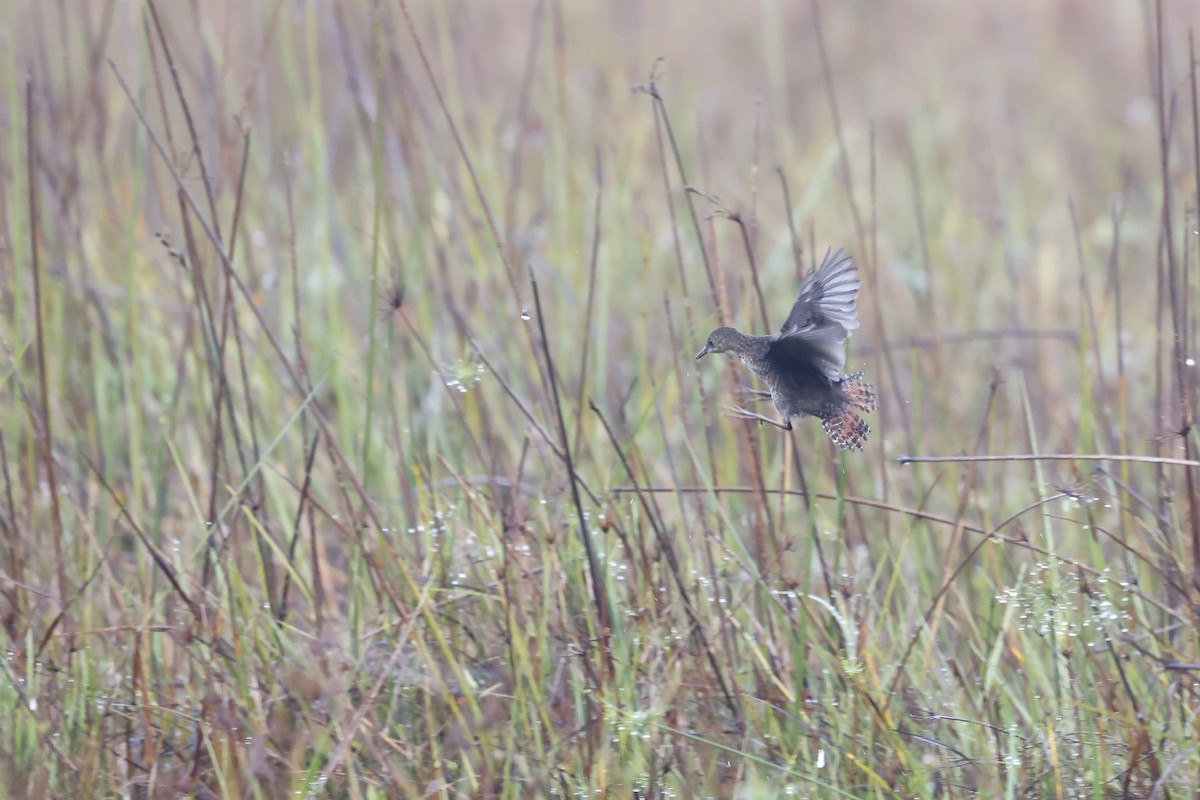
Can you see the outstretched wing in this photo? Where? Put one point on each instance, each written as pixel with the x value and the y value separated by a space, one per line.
pixel 823 316
pixel 827 297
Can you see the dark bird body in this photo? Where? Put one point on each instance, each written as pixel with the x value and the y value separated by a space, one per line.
pixel 802 364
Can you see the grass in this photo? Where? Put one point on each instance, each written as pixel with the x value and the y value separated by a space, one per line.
pixel 351 441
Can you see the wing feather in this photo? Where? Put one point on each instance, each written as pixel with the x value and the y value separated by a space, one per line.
pixel 827 296
pixel 822 318
pixel 819 348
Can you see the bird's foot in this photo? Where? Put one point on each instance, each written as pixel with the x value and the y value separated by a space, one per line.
pixel 754 395
pixel 737 412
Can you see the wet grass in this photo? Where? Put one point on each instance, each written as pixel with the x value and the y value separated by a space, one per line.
pixel 351 440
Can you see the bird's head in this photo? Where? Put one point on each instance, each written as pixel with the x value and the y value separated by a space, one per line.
pixel 720 341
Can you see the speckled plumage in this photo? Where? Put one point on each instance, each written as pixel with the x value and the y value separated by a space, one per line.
pixel 802 364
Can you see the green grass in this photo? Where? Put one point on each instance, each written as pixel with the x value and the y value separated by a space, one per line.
pixel 307 490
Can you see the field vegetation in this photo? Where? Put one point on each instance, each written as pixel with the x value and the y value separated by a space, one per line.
pixel 352 443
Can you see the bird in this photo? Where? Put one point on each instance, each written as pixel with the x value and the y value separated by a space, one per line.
pixel 802 364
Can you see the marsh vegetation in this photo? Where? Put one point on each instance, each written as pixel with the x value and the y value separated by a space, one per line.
pixel 351 441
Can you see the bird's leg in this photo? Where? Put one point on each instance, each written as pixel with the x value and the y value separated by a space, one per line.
pixel 755 395
pixel 738 412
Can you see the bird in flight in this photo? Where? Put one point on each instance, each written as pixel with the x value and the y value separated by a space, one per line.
pixel 802 363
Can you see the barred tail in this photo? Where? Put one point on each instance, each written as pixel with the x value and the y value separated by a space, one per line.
pixel 847 429
pixel 860 393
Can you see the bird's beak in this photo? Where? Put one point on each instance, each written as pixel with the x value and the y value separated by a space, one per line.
pixel 703 352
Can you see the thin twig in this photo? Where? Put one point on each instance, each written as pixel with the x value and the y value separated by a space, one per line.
pixel 1177 462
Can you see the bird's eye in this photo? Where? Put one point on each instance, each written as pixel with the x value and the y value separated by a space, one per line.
pixel 709 343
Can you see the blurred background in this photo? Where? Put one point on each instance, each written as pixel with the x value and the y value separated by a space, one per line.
pixel 307 488
pixel 946 146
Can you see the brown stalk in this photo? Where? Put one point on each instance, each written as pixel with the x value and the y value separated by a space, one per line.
pixel 754 167
pixel 598 585
pixel 797 464
pixel 591 298
pixel 196 151
pixel 305 384
pixel 45 436
pixel 661 125
pixel 281 608
pixel 481 196
pixel 682 411
pixel 1093 331
pixel 525 409
pixel 1187 398
pixel 1158 545
pixel 797 243
pixel 848 184
pixel 651 89
pixel 201 298
pixel 522 117
pixel 668 549
pixel 462 151
pixel 8 521
pixel 337 456
pixel 930 306
pixel 159 560
pixel 882 423
pixel 736 218
pixel 749 454
pixel 260 509
pixel 234 226
pixel 933 618
pixel 764 522
pixel 844 155
pixel 1165 262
